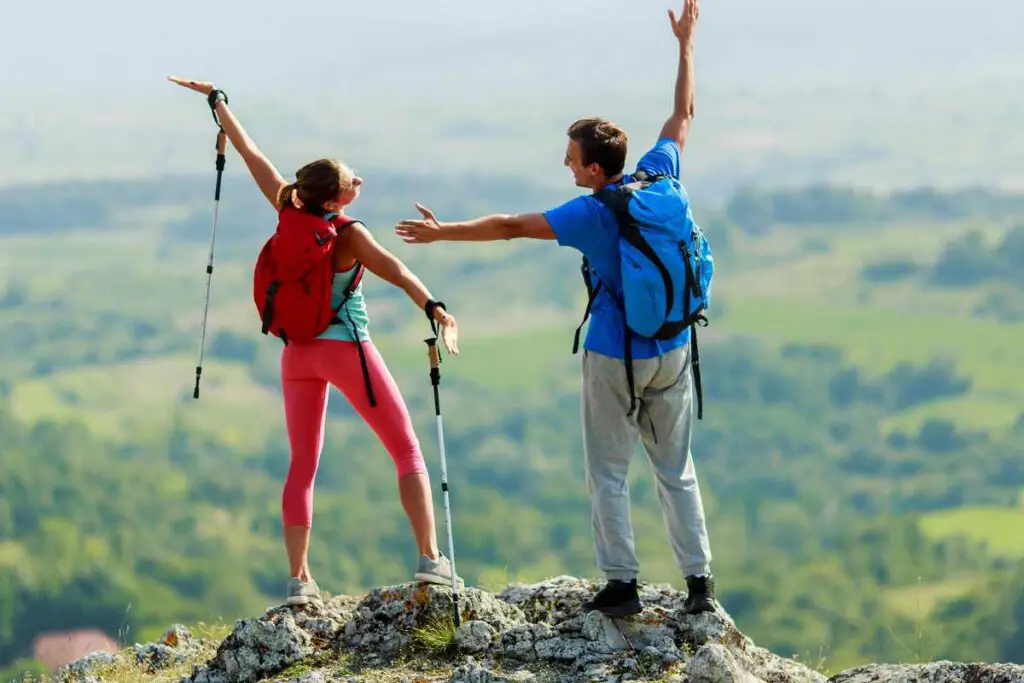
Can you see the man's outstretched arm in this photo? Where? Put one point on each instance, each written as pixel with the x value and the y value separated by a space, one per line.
pixel 677 127
pixel 485 229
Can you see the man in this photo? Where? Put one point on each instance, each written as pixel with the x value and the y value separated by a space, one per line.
pixel 596 155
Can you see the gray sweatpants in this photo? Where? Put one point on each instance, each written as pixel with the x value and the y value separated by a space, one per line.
pixel 663 421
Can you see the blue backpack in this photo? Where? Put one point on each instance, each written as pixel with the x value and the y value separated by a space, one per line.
pixel 666 265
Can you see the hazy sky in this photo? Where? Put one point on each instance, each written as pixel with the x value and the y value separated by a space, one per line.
pixel 84 91
pixel 51 46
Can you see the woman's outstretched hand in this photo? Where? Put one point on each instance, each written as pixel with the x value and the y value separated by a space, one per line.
pixel 198 86
pixel 449 330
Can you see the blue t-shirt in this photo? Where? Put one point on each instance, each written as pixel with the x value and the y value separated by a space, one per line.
pixel 587 225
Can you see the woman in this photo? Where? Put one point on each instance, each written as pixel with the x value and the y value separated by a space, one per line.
pixel 333 358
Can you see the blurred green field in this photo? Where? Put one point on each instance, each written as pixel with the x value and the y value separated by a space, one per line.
pixel 1001 529
pixel 777 289
pixel 919 601
pixel 822 265
pixel 139 398
pixel 535 360
pixel 974 412
pixel 998 528
pixel 986 351
pixel 106 329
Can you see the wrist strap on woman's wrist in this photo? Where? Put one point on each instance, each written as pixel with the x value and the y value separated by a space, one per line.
pixel 431 305
pixel 213 98
pixel 429 309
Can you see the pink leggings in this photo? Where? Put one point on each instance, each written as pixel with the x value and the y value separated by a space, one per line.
pixel 306 371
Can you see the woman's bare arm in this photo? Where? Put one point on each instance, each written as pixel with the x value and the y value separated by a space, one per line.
pixel 386 265
pixel 390 268
pixel 263 171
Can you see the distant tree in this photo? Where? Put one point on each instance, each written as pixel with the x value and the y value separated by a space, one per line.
pixel 1005 304
pixel 840 431
pixel 965 261
pixel 823 353
pixel 233 346
pixel 939 436
pixel 1018 427
pixel 899 440
pixel 752 211
pixel 1011 254
pixel 143 329
pixel 889 270
pixel 908 384
pixel 844 387
pixel 13 296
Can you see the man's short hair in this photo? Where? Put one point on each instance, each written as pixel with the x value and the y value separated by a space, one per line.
pixel 602 142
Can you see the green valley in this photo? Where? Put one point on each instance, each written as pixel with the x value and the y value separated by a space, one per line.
pixel 860 452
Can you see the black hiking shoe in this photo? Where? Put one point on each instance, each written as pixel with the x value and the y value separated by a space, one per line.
pixel 700 595
pixel 616 599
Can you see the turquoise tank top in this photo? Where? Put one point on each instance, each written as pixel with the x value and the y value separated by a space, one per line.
pixel 355 321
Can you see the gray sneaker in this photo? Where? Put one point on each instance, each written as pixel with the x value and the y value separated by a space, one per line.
pixel 437 571
pixel 302 593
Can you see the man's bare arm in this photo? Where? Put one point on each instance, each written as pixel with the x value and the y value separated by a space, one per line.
pixel 677 127
pixel 485 229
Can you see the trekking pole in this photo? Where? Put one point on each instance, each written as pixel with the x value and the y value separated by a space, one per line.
pixel 435 380
pixel 222 141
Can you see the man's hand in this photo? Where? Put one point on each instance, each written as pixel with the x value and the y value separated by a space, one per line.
pixel 677 127
pixel 422 231
pixel 683 26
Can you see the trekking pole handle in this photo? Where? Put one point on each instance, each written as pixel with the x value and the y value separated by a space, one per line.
pixel 222 146
pixel 435 368
pixel 433 353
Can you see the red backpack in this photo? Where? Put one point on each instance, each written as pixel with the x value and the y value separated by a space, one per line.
pixel 294 273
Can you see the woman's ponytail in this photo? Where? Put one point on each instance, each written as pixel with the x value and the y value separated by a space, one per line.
pixel 285 197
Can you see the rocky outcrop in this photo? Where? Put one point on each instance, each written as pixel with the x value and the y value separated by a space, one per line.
pixel 534 632
pixel 935 672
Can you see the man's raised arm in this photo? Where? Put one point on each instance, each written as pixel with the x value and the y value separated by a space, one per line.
pixel 677 127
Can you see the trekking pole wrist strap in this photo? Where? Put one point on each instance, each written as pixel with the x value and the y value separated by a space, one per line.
pixel 429 309
pixel 216 96
pixel 213 98
pixel 431 306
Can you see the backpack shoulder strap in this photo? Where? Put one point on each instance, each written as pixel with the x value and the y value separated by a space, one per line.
pixel 342 222
pixel 615 198
pixel 592 290
pixel 649 178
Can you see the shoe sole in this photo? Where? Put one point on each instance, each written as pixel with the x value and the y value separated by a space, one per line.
pixel 437 580
pixel 700 608
pixel 301 600
pixel 627 610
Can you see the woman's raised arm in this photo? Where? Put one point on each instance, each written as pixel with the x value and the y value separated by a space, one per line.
pixel 267 177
